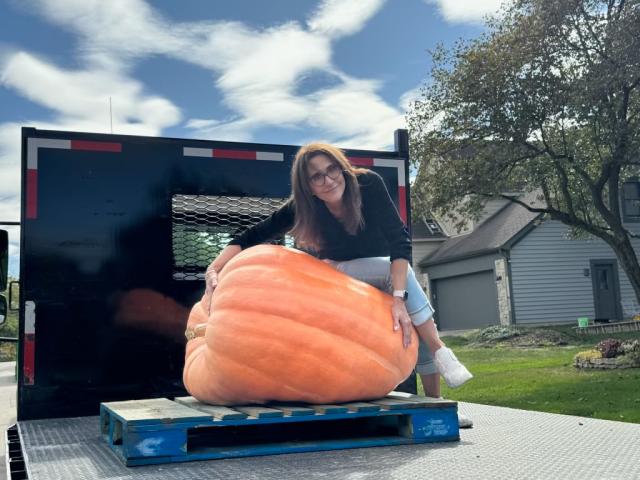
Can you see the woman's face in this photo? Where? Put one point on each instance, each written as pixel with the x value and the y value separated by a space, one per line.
pixel 326 179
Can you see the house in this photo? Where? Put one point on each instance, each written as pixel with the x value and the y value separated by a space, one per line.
pixel 426 238
pixel 518 267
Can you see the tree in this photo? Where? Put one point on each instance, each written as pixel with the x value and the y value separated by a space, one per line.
pixel 545 101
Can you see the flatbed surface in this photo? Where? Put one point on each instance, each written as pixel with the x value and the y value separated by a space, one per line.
pixel 504 443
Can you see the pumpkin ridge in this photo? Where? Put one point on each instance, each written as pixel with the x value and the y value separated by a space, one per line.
pixel 221 387
pixel 257 371
pixel 198 358
pixel 310 395
pixel 364 324
pixel 336 279
pixel 368 298
pixel 367 326
pixel 334 371
pixel 355 346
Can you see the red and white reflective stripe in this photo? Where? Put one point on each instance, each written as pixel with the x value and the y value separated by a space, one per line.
pixel 34 144
pixel 233 154
pixel 391 163
pixel 29 353
pixel 96 146
pixel 361 161
pixel 399 164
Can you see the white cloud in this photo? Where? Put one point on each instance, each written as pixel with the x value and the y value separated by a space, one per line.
pixel 9 171
pixel 350 108
pixel 232 130
pixel 259 85
pixel 113 31
pixel 81 98
pixel 409 97
pixel 336 18
pixel 466 11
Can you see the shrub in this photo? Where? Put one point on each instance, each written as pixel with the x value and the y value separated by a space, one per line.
pixel 629 346
pixel 497 332
pixel 609 347
pixel 587 355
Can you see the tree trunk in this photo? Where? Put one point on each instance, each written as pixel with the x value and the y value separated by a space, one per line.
pixel 629 261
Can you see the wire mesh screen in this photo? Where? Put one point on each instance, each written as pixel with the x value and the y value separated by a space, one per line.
pixel 204 225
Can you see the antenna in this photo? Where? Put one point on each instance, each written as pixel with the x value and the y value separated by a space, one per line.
pixel 110 115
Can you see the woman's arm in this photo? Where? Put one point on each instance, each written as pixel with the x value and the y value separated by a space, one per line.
pixel 271 227
pixel 225 255
pixel 401 319
pixel 399 269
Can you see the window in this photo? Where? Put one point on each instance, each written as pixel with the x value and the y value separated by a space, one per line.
pixel 433 227
pixel 631 201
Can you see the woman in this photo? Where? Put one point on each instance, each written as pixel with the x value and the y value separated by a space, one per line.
pixel 345 216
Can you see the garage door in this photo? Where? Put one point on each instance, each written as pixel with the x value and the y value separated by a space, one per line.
pixel 466 301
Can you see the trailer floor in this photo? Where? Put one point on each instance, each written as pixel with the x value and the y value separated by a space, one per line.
pixel 504 443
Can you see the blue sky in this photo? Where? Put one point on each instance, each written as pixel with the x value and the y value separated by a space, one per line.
pixel 283 71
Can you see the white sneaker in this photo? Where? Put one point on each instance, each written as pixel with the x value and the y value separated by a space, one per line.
pixel 453 372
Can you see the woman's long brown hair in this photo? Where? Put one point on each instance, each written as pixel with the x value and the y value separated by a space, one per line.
pixel 306 229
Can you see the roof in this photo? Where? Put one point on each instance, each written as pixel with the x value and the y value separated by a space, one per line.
pixel 494 233
pixel 426 229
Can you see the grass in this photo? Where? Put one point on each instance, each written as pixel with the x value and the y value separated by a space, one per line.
pixel 9 329
pixel 544 379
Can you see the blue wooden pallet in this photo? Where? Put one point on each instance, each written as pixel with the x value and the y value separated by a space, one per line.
pixel 153 431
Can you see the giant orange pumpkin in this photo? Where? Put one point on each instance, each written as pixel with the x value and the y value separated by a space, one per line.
pixel 285 326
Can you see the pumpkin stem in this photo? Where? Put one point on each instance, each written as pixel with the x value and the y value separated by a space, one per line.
pixel 197 331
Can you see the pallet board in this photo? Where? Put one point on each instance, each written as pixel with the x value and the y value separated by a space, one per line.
pixel 153 431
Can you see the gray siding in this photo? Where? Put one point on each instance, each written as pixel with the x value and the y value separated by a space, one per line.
pixel 422 248
pixel 547 275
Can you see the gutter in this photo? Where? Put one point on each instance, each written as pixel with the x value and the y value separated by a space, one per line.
pixel 478 253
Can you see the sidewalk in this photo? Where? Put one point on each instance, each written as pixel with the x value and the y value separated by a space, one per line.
pixel 7 407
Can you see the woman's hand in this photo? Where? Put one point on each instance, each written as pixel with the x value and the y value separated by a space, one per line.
pixel 211 282
pixel 211 275
pixel 402 320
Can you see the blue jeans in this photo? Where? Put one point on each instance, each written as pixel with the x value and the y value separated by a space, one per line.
pixel 376 271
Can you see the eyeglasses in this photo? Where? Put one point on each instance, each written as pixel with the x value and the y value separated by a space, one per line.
pixel 333 172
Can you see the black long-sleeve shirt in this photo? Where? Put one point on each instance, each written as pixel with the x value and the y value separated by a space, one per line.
pixel 384 234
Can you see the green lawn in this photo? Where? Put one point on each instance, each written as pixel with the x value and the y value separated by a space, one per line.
pixel 544 379
pixel 9 329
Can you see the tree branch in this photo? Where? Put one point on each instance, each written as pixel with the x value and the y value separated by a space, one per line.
pixel 595 37
pixel 564 218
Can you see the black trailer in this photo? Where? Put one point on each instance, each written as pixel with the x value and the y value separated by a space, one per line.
pixel 107 217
